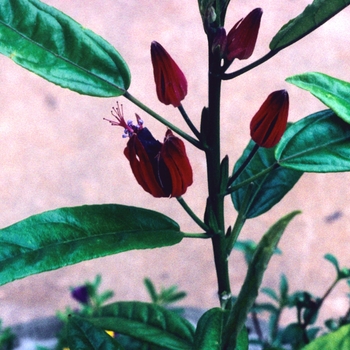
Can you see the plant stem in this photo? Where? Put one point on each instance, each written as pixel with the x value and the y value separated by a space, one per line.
pixel 251 179
pixel 190 212
pixel 196 235
pixel 245 69
pixel 171 126
pixel 243 165
pixel 189 122
pixel 215 202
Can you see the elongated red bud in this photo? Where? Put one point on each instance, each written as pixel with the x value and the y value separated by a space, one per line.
pixel 171 83
pixel 242 37
pixel 270 122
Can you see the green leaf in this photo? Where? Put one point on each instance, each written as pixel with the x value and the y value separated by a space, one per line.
pixel 333 260
pixel 253 279
pixel 47 42
pixel 209 330
pixel 313 16
pixel 334 93
pixel 67 236
pixel 148 323
pixel 339 340
pixel 243 340
pixel 317 143
pixel 82 335
pixel 269 189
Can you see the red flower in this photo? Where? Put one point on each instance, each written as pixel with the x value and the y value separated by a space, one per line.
pixel 242 37
pixel 171 83
pixel 269 123
pixel 162 169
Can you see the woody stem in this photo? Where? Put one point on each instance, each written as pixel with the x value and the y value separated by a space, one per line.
pixel 215 204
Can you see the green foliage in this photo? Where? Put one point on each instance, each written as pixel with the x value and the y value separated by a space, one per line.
pixel 165 296
pixel 209 330
pixel 268 189
pixel 339 340
pixel 6 337
pixel 334 93
pixel 318 143
pixel 82 335
pixel 252 282
pixel 67 236
pixel 314 15
pixel 147 323
pixel 50 44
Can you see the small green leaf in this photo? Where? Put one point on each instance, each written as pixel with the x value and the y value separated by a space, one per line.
pixel 253 279
pixel 82 335
pixel 151 289
pixel 67 236
pixel 209 330
pixel 317 143
pixel 269 189
pixel 313 16
pixel 339 340
pixel 47 42
pixel 333 260
pixel 271 293
pixel 334 93
pixel 147 323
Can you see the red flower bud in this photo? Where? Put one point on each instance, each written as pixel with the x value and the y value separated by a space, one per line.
pixel 242 37
pixel 162 169
pixel 269 123
pixel 171 83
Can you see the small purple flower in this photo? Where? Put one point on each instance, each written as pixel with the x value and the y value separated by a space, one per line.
pixel 81 294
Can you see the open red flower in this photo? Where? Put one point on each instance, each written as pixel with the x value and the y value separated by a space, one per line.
pixel 270 122
pixel 162 169
pixel 171 83
pixel 242 37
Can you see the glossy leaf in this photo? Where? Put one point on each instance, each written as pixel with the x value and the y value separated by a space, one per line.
pixel 47 42
pixel 317 143
pixel 269 189
pixel 253 279
pixel 67 236
pixel 209 330
pixel 334 93
pixel 82 335
pixel 148 323
pixel 339 340
pixel 313 16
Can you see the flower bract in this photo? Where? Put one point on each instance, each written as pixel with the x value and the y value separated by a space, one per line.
pixel 171 83
pixel 269 123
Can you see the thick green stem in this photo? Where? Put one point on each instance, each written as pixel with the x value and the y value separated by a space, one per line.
pixel 216 201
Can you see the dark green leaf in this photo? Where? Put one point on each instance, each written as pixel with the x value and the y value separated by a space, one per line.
pixel 313 16
pixel 209 330
pixel 317 143
pixel 243 340
pixel 252 282
pixel 269 189
pixel 271 293
pixel 339 340
pixel 151 289
pixel 148 323
pixel 333 260
pixel 284 288
pixel 45 41
pixel 293 335
pixel 67 236
pixel 334 93
pixel 82 335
